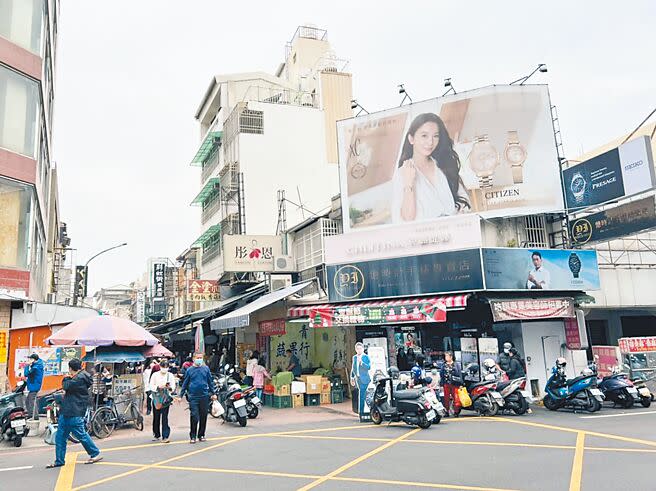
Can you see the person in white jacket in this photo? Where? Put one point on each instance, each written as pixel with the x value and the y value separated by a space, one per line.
pixel 162 384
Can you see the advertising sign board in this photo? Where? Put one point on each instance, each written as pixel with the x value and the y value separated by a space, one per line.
pixel 448 233
pixel 637 345
pixel 441 272
pixel 622 220
pixel 489 151
pixel 158 279
pixel 608 357
pixel 540 269
pixel 532 308
pixel 250 253
pixel 203 290
pixel 622 171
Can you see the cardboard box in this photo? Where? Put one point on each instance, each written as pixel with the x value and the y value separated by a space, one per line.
pixel 325 385
pixel 298 387
pixel 283 390
pixel 298 400
pixel 312 384
pixel 326 398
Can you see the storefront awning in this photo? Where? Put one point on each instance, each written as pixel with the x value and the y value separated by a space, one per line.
pixel 241 316
pixel 209 187
pixel 426 309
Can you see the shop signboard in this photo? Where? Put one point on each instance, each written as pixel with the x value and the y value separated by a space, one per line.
pixel 158 279
pixel 410 239
pixel 623 171
pixel 4 345
pixel 622 220
pixel 493 151
pixel 299 338
pixel 572 334
pixel 250 253
pixel 442 272
pixel 540 269
pixel 607 358
pixel 531 309
pixel 274 327
pixel 141 306
pixel 637 345
pixel 203 290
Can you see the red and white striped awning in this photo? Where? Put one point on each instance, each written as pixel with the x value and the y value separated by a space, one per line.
pixel 452 302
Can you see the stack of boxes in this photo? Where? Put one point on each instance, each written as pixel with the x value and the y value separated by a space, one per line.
pixel 325 391
pixel 298 393
pixel 312 389
pixel 336 390
pixel 282 396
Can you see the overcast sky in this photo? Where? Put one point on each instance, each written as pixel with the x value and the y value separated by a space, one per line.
pixel 130 75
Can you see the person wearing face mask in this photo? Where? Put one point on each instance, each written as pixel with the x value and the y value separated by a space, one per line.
pixel 504 358
pixel 198 385
pixel 162 383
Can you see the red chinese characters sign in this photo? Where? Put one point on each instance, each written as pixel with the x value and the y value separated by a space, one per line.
pixel 527 309
pixel 342 315
pixel 637 345
pixel 275 327
pixel 608 357
pixel 202 290
pixel 572 334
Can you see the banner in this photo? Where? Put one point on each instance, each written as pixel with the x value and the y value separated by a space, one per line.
pixel 608 357
pixel 410 239
pixel 275 327
pixel 250 253
pixel 622 220
pixel 442 272
pixel 572 334
pixel 528 309
pixel 540 269
pixel 637 345
pixel 488 151
pixel 622 171
pixel 203 290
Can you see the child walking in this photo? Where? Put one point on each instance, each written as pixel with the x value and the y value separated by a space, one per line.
pixel 259 373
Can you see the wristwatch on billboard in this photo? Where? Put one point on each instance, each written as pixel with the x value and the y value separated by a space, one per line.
pixel 515 154
pixel 483 160
pixel 574 264
pixel 577 185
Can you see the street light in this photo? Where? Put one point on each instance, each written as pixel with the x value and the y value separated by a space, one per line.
pixel 405 95
pixel 81 281
pixel 542 68
pixel 450 87
pixel 355 104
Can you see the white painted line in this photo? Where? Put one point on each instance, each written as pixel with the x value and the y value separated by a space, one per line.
pixel 618 415
pixel 16 468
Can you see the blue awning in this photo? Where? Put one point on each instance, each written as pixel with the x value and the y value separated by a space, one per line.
pixel 101 355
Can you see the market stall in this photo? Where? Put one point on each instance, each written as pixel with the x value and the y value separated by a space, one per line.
pixel 640 356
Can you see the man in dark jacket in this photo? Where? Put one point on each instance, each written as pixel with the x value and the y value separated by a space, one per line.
pixel 71 416
pixel 504 358
pixel 198 384
pixel 33 372
pixel 516 369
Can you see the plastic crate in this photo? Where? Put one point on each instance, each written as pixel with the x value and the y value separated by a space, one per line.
pixel 282 402
pixel 268 400
pixel 337 396
pixel 312 399
pixel 298 400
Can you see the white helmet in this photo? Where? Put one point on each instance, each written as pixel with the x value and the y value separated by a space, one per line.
pixel 489 363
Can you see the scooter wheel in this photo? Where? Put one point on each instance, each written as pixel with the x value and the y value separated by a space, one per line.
pixel 423 422
pixel 253 412
pixel 550 403
pixel 594 406
pixel 376 417
pixel 18 441
pixel 243 421
pixel 645 401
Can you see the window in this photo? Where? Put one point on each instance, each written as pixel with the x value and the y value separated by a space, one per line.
pixel 21 21
pixel 19 106
pixel 251 121
pixel 15 211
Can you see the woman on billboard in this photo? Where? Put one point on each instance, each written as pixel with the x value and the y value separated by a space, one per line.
pixel 427 183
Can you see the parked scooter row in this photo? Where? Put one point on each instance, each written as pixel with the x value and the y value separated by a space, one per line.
pixel 231 404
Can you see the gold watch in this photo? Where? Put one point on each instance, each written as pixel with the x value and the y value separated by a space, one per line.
pixel 515 155
pixel 483 160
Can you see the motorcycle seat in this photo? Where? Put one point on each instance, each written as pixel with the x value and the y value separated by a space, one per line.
pixel 480 384
pixel 407 394
pixel 503 385
pixel 577 379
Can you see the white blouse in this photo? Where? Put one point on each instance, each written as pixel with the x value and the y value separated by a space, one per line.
pixel 432 200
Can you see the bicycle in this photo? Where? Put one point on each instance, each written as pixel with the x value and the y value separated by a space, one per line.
pixel 118 411
pixel 52 418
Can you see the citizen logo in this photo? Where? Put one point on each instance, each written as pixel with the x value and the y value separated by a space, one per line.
pixel 637 163
pixel 505 193
pixel 601 184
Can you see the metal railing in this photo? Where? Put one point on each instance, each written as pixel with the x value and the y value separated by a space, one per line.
pixel 210 210
pixel 211 253
pixel 281 95
pixel 212 163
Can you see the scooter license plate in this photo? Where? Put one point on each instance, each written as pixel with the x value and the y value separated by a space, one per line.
pixel 595 392
pixel 255 400
pixel 526 394
pixel 644 392
pixel 632 390
pixel 240 403
pixel 497 398
pixel 18 423
pixel 431 415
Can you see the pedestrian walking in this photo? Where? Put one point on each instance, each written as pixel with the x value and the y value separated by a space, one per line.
pixel 251 363
pixel 162 384
pixel 147 373
pixel 71 417
pixel 516 369
pixel 451 379
pixel 33 372
pixel 199 387
pixel 259 373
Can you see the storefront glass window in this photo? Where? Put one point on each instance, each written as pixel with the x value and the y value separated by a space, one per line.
pixel 21 21
pixel 15 210
pixel 19 105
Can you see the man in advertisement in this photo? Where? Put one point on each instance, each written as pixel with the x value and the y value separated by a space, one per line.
pixel 538 278
pixel 360 374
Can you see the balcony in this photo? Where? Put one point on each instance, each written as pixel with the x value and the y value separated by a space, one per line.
pixel 210 164
pixel 210 210
pixel 230 224
pixel 229 179
pixel 211 253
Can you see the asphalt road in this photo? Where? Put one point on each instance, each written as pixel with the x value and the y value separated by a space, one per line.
pixel 613 449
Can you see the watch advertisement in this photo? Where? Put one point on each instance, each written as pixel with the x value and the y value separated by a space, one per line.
pixel 620 221
pixel 623 171
pixel 540 269
pixel 442 272
pixel 488 151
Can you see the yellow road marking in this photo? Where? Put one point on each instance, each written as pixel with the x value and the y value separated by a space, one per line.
pixel 615 449
pixel 416 484
pixel 351 438
pixel 577 465
pixel 144 467
pixel 66 473
pixel 493 444
pixel 358 460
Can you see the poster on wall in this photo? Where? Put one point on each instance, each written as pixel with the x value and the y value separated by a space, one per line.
pixel 55 359
pixel 540 269
pixel 487 348
pixel 468 354
pixel 607 357
pixel 489 151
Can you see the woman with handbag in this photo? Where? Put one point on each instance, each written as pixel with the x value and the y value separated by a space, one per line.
pixel 451 379
pixel 162 384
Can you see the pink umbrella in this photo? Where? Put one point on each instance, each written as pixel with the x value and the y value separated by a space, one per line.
pixel 158 350
pixel 103 330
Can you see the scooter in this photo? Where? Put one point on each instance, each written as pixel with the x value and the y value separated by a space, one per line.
pixel 407 405
pixel 13 417
pixel 231 400
pixel 577 393
pixel 486 401
pixel 429 394
pixel 618 389
pixel 515 397
pixel 253 403
pixel 53 401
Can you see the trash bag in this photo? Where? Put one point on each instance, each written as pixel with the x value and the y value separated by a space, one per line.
pixel 463 397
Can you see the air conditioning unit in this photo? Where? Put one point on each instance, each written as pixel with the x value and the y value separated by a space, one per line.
pixel 280 281
pixel 284 264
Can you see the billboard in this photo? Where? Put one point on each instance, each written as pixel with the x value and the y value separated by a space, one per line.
pixel 250 253
pixel 620 221
pixel 488 151
pixel 622 171
pixel 446 234
pixel 540 269
pixel 442 272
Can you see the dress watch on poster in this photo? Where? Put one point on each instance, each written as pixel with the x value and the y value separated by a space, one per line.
pixel 483 160
pixel 515 155
pixel 574 264
pixel 577 186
